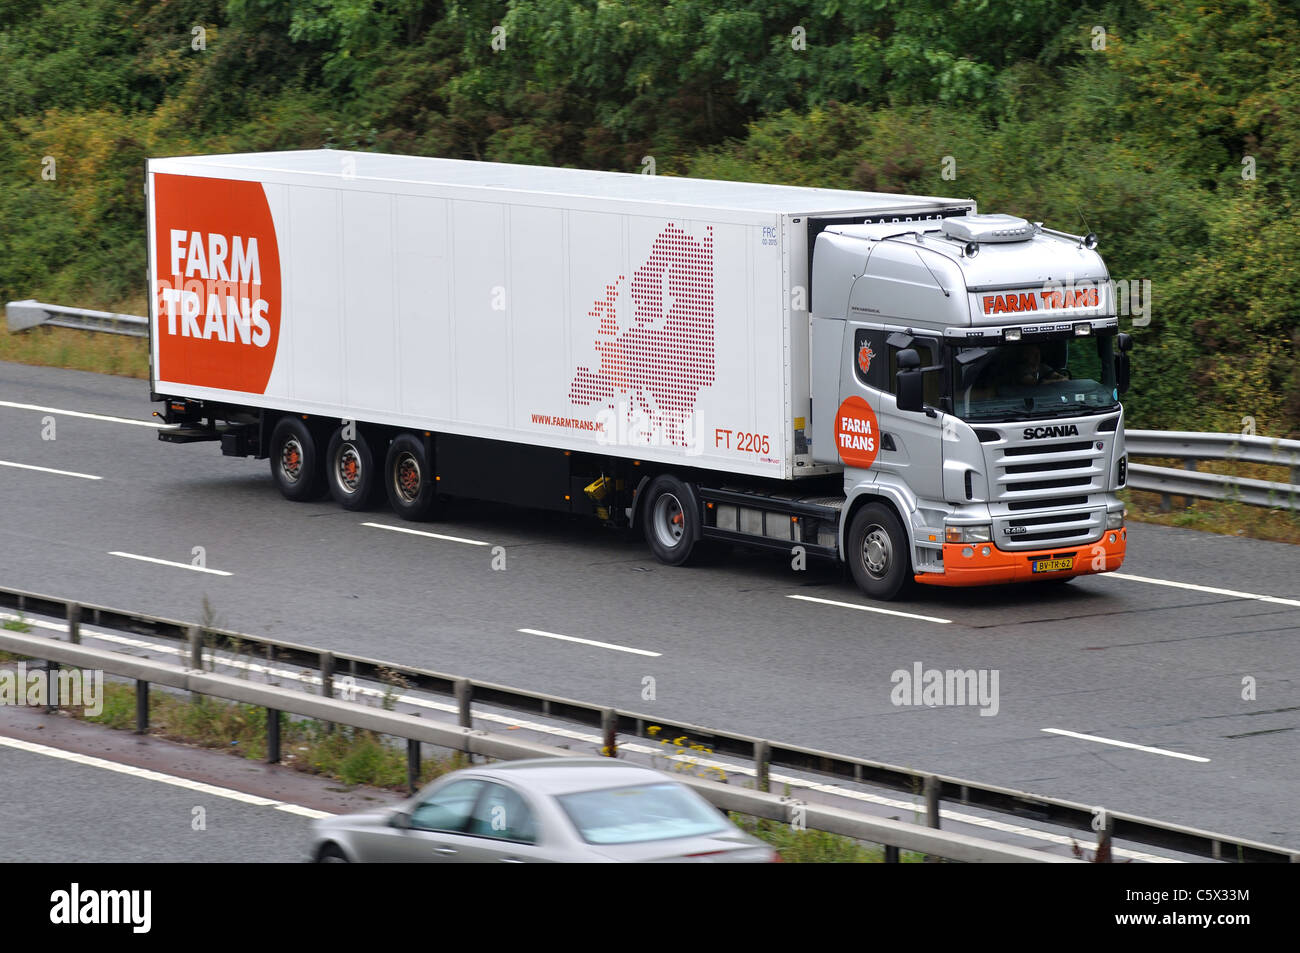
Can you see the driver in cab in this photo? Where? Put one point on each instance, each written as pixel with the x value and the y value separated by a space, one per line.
pixel 1030 370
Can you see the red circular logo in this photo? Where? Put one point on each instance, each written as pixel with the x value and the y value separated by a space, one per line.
pixel 857 435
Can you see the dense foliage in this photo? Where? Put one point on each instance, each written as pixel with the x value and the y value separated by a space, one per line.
pixel 1175 135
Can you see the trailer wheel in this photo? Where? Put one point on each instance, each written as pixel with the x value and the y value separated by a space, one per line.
pixel 350 471
pixel 671 517
pixel 878 553
pixel 295 460
pixel 408 478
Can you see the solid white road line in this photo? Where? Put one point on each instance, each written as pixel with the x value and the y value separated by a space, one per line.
pixel 28 466
pixel 854 605
pixel 1277 600
pixel 157 425
pixel 145 774
pixel 420 532
pixel 168 562
pixel 601 645
pixel 1127 744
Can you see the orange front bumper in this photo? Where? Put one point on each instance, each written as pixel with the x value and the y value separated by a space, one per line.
pixel 1000 566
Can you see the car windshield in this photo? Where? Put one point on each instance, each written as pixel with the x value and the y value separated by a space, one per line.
pixel 1061 376
pixel 637 814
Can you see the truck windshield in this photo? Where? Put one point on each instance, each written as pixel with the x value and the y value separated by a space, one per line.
pixel 1060 376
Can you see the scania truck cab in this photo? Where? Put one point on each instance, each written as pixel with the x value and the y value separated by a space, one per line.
pixel 967 375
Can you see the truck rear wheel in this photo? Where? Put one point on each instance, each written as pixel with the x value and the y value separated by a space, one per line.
pixel 295 460
pixel 350 471
pixel 878 553
pixel 671 518
pixel 408 479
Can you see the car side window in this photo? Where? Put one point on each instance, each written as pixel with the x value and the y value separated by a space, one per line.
pixel 447 809
pixel 502 813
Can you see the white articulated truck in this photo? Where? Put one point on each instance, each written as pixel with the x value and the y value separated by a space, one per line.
pixel 893 381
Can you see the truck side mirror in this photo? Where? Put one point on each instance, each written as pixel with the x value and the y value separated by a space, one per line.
pixel 1123 344
pixel 909 391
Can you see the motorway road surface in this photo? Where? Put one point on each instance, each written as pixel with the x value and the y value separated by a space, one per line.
pixel 1084 670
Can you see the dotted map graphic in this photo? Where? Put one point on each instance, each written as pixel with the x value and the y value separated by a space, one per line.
pixel 665 357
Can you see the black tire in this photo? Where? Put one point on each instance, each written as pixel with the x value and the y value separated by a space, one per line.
pixel 295 460
pixel 670 518
pixel 409 479
pixel 332 854
pixel 878 551
pixel 351 471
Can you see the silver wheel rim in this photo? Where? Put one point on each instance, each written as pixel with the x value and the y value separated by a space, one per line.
pixel 669 521
pixel 348 469
pixel 877 551
pixel 408 479
pixel 291 460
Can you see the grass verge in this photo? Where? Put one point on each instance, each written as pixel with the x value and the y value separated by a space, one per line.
pixel 816 847
pixel 78 351
pixel 350 755
pixel 1225 517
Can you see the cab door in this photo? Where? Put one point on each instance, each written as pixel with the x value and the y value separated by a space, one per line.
pixel 911 448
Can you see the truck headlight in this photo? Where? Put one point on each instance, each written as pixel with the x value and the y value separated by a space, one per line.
pixel 1115 520
pixel 969 534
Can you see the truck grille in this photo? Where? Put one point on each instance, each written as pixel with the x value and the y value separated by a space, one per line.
pixel 1056 476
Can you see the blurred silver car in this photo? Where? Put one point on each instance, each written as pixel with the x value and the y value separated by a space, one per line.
pixel 556 810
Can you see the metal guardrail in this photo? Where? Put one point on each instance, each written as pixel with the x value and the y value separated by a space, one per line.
pixel 611 722
pixel 1188 482
pixel 22 315
pixel 896 834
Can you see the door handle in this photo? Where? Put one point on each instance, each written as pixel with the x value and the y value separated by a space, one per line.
pixel 511 860
pixel 445 850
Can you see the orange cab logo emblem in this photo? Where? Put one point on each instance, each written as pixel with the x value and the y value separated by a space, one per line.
pixel 865 354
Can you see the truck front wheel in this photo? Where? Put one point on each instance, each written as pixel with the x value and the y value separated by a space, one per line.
pixel 350 471
pixel 877 552
pixel 409 479
pixel 295 460
pixel 671 517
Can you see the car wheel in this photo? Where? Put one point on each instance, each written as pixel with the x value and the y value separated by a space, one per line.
pixel 331 854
